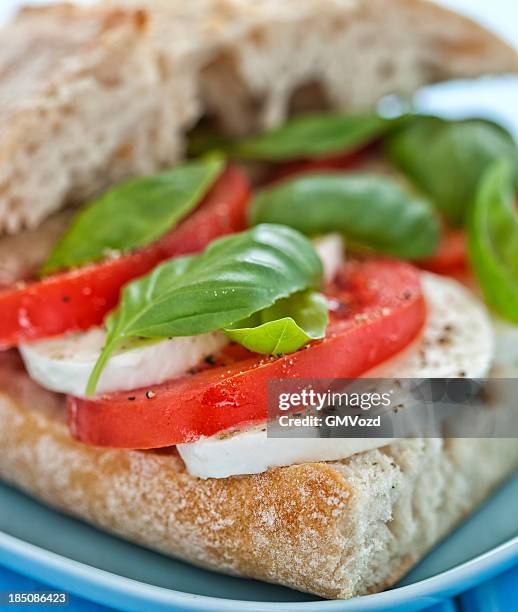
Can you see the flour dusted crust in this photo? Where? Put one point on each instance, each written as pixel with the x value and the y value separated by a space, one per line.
pixel 89 95
pixel 335 529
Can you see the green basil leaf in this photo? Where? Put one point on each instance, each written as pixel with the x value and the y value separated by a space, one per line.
pixel 134 213
pixel 446 159
pixel 370 210
pixel 313 136
pixel 493 239
pixel 232 279
pixel 284 327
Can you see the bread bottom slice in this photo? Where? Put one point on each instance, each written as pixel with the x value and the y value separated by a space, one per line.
pixel 335 529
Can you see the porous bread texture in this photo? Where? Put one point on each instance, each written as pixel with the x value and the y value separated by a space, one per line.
pixel 343 54
pixel 79 108
pixel 89 95
pixel 22 254
pixel 335 529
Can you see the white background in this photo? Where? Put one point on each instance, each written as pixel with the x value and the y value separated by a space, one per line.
pixel 494 98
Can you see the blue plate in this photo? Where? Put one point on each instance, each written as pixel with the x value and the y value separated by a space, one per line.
pixel 75 557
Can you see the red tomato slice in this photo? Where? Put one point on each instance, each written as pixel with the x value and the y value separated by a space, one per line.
pixel 80 298
pixel 340 161
pixel 451 257
pixel 377 308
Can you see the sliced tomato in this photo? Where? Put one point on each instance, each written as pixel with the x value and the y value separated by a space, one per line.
pixel 451 257
pixel 376 309
pixel 340 161
pixel 80 298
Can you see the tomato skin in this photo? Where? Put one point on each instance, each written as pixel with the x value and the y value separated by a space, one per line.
pixel 78 299
pixel 339 161
pixel 451 256
pixel 387 295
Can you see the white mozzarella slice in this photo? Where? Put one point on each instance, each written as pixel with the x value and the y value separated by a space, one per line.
pixel 252 452
pixel 506 349
pixel 331 250
pixel 64 364
pixel 457 341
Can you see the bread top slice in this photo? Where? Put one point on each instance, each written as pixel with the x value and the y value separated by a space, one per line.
pixel 42 43
pixel 89 95
pixel 264 59
pixel 53 62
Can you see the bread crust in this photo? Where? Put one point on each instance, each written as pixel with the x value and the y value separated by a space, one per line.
pixel 89 95
pixel 333 529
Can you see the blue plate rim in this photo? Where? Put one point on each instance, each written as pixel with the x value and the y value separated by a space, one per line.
pixel 39 563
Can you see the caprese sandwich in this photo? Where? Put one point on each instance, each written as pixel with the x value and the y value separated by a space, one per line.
pixel 139 332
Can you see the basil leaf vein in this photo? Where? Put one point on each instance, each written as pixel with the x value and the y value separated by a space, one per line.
pixel 235 277
pixel 312 136
pixel 134 213
pixel 285 327
pixel 370 210
pixel 446 159
pixel 493 239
